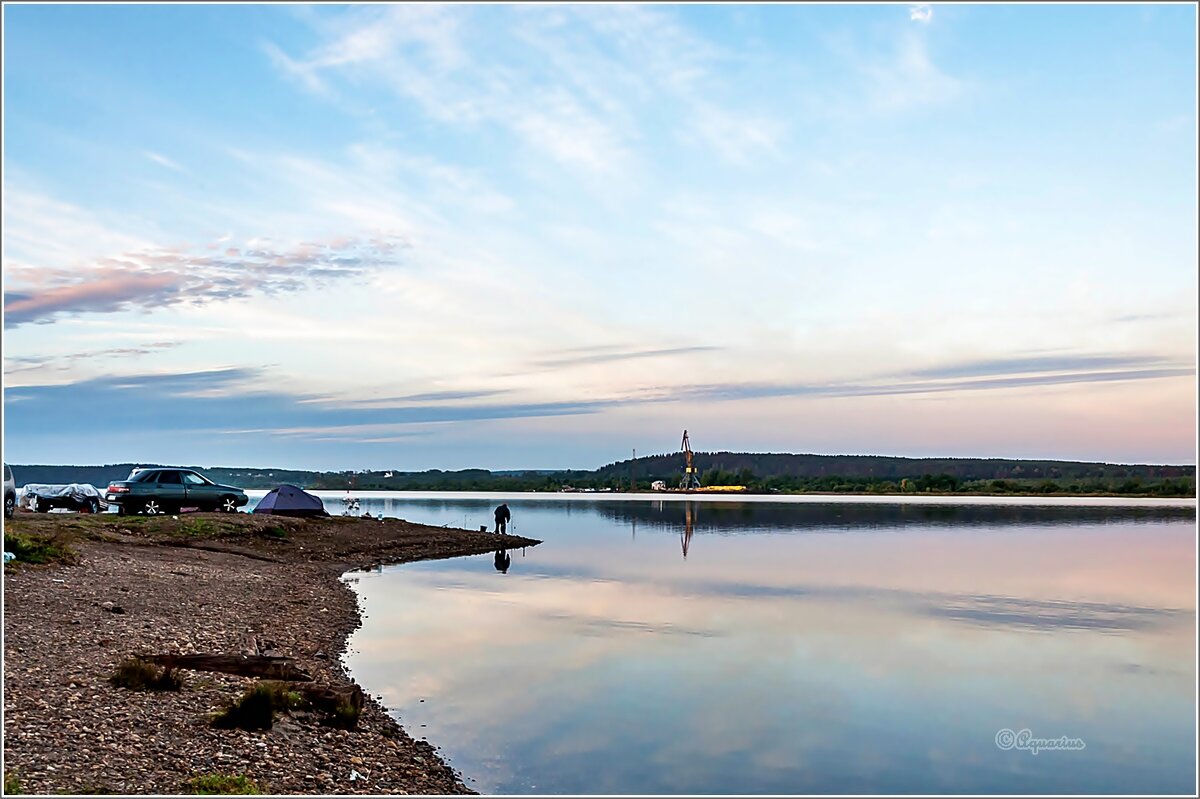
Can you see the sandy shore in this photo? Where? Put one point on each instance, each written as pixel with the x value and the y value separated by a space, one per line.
pixel 201 583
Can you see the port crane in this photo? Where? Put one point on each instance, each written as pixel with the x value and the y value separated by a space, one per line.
pixel 690 479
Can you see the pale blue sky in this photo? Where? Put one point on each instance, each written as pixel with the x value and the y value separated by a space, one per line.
pixel 540 236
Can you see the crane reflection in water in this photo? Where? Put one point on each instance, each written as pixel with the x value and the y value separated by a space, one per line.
pixel 685 536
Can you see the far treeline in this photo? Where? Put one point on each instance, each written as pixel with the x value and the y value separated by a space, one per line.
pixel 760 473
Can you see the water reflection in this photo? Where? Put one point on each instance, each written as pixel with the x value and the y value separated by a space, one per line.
pixel 754 515
pixel 871 649
pixel 732 517
pixel 685 535
pixel 502 561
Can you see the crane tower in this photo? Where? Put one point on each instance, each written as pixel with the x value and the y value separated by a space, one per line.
pixel 690 478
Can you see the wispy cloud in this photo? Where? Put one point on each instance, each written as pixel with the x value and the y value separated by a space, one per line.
pixel 909 78
pixel 921 12
pixel 608 357
pixel 45 230
pixel 105 290
pixel 1156 316
pixel 409 399
pixel 661 61
pixel 210 400
pixel 151 279
pixel 303 72
pixel 419 53
pixel 738 138
pixel 162 160
pixel 608 65
pixel 454 185
pixel 207 400
pixel 986 376
pixel 893 75
pixel 27 363
pixel 1047 364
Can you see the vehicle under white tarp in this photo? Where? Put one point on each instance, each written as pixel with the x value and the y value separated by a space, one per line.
pixel 75 496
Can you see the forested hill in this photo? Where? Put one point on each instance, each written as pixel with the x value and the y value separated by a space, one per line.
pixel 243 477
pixel 878 467
pixel 103 475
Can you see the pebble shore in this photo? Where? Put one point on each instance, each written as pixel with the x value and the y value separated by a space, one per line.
pixel 138 587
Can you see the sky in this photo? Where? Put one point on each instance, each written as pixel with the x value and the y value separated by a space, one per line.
pixel 528 236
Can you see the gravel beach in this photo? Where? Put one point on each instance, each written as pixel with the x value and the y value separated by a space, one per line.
pixel 201 583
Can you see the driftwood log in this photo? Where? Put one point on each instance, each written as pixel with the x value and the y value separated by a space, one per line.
pixel 251 644
pixel 330 700
pixel 267 667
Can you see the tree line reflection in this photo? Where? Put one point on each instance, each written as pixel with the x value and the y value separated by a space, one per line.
pixel 733 517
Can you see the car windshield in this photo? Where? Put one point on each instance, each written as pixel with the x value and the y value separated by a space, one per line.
pixel 144 477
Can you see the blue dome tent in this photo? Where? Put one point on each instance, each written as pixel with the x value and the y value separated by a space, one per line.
pixel 287 500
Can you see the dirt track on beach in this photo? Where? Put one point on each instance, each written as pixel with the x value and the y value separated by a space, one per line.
pixel 191 584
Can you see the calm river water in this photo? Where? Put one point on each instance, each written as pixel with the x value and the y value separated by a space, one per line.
pixel 822 646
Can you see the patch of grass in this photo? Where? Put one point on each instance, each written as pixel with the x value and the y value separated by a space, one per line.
pixel 274 532
pixel 138 675
pixel 197 528
pixel 344 717
pixel 39 548
pixel 257 707
pixel 12 783
pixel 223 784
pixel 282 695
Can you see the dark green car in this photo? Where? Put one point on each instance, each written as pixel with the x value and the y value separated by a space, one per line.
pixel 155 491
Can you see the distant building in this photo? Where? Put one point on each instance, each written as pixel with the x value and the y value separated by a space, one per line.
pixel 658 485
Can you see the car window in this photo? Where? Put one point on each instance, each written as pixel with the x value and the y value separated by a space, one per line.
pixel 7 473
pixel 193 479
pixel 168 477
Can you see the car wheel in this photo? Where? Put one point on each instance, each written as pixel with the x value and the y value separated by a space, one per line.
pixel 10 507
pixel 93 506
pixel 152 507
pixel 227 505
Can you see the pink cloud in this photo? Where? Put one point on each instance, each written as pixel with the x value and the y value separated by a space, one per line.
pixel 154 278
pixel 111 289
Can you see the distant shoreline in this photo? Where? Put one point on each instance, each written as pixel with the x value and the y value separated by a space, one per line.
pixel 775 474
pixel 757 496
pixel 1075 500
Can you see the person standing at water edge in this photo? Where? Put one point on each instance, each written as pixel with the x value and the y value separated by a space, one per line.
pixel 503 516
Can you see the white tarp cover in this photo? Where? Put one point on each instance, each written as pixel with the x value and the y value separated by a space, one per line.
pixel 80 491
